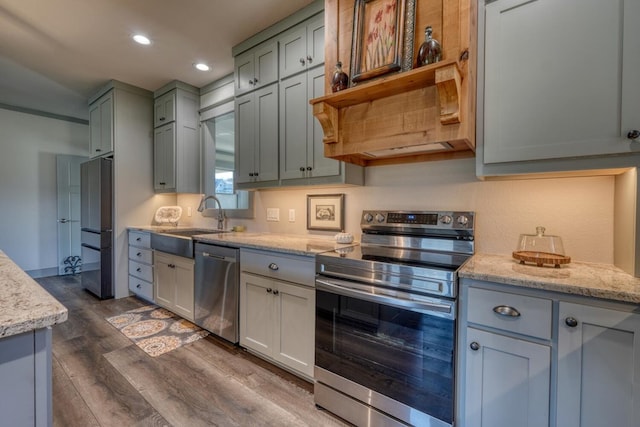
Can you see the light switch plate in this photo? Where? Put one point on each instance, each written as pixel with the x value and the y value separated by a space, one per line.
pixel 273 214
pixel 292 215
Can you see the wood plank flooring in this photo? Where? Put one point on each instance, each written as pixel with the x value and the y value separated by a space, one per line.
pixel 100 378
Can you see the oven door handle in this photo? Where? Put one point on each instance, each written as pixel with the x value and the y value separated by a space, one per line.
pixel 441 309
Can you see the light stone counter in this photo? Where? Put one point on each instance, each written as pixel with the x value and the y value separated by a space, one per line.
pixel 295 244
pixel 286 243
pixel 589 279
pixel 24 305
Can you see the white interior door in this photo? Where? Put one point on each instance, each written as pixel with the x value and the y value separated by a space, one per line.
pixel 68 185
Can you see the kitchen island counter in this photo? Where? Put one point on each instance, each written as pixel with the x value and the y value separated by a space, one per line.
pixel 604 281
pixel 24 305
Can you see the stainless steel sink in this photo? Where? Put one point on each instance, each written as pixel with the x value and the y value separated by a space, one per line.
pixel 178 242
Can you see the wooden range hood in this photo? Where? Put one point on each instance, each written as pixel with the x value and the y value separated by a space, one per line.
pixel 427 113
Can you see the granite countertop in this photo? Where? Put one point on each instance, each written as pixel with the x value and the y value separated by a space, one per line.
pixel 294 244
pixel 24 304
pixel 589 279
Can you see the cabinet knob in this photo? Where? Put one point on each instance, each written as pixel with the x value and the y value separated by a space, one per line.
pixel 505 310
pixel 571 322
pixel 273 266
pixel 138 269
pixel 250 173
pixel 250 81
pixel 139 286
pixel 255 174
pixel 138 239
pixel 309 59
pixel 634 134
pixel 98 150
pixel 255 81
pixel 162 183
pixel 275 292
pixel 162 119
pixel 309 168
pixel 301 168
pixel 269 290
pixel 139 254
pixel 302 61
pixel 474 346
pixel 171 265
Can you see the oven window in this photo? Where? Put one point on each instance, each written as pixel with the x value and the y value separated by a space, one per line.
pixel 405 355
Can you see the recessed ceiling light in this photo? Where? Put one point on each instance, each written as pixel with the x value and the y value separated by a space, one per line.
pixel 202 66
pixel 139 38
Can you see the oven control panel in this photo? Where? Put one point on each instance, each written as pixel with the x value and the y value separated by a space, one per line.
pixel 418 219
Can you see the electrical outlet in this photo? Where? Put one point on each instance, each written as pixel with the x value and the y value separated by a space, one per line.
pixel 273 214
pixel 292 215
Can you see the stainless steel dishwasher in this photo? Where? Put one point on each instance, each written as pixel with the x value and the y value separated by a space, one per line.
pixel 217 282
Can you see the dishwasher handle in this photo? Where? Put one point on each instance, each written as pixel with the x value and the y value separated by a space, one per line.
pixel 218 257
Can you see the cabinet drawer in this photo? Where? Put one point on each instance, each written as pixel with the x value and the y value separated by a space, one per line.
pixel 141 287
pixel 140 238
pixel 292 268
pixel 141 255
pixel 534 317
pixel 141 271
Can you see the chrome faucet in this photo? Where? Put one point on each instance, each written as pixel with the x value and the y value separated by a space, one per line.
pixel 221 215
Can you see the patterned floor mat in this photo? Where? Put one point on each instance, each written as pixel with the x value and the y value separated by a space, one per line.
pixel 156 330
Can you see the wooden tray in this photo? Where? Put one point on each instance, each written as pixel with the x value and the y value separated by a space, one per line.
pixel 541 258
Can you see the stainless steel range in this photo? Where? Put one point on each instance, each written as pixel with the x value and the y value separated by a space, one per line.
pixel 386 319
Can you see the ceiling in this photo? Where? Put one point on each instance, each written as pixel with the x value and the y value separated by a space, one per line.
pixel 55 54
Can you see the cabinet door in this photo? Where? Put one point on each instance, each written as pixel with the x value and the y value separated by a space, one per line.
pixel 294 338
pixel 245 138
pixel 266 63
pixel 315 41
pixel 256 313
pixel 555 86
pixel 101 126
pixel 164 280
pixel 294 117
pixel 164 109
pixel 266 132
pixel 164 155
pixel 243 72
pixel 598 367
pixel 320 165
pixel 507 381
pixel 184 300
pixel 293 51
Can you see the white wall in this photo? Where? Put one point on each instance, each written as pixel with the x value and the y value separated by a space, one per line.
pixel 580 210
pixel 29 145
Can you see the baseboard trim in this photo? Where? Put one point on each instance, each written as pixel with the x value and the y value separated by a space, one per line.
pixel 43 272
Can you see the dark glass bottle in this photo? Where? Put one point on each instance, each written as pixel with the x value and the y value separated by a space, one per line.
pixel 340 79
pixel 430 51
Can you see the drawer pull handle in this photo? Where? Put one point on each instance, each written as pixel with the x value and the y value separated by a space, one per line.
pixel 571 322
pixel 138 239
pixel 138 269
pixel 269 290
pixel 273 266
pixel 474 346
pixel 505 310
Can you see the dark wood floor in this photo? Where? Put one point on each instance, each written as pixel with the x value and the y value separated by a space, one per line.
pixel 100 378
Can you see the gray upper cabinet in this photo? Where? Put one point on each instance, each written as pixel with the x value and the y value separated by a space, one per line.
pixel 101 126
pixel 257 138
pixel 257 67
pixel 301 146
pixel 164 109
pixel 549 94
pixel 176 166
pixel 302 47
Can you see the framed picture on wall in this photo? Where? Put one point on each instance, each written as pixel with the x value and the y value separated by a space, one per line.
pixel 325 212
pixel 382 38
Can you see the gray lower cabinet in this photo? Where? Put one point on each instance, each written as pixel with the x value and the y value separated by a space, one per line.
pixel 256 128
pixel 141 264
pixel 598 367
pixel 536 358
pixel 277 309
pixel 174 283
pixel 25 379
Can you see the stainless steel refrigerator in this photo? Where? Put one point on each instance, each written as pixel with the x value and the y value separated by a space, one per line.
pixel 96 221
